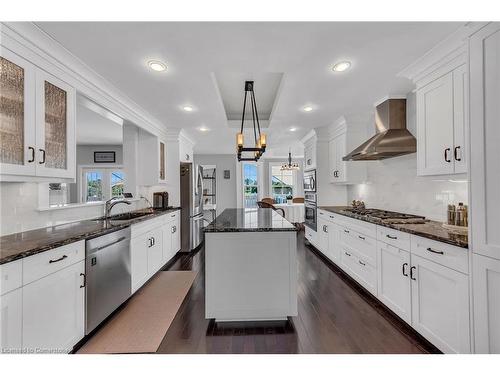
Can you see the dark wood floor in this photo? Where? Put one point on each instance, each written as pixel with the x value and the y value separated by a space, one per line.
pixel 335 316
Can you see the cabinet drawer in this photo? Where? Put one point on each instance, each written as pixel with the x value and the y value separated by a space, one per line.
pixel 11 276
pixel 37 266
pixel 358 269
pixel 394 237
pixel 146 226
pixel 447 255
pixel 364 245
pixel 173 215
pixel 361 226
pixel 311 235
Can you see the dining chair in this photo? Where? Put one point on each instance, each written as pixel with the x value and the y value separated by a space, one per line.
pixel 298 200
pixel 263 204
pixel 268 200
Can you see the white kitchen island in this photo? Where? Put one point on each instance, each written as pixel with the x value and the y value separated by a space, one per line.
pixel 250 266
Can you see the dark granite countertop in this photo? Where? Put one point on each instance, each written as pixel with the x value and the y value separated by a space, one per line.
pixel 249 220
pixel 20 245
pixel 430 229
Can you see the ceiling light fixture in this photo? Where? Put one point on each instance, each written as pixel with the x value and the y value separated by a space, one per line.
pixel 307 108
pixel 290 166
pixel 341 66
pixel 187 108
pixel 157 66
pixel 292 129
pixel 260 138
pixel 203 129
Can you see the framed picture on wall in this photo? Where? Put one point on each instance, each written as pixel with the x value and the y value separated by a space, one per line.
pixel 104 157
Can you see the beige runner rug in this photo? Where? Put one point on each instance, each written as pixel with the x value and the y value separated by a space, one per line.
pixel 141 325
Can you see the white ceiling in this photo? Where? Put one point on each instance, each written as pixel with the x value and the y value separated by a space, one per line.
pixel 94 129
pixel 304 52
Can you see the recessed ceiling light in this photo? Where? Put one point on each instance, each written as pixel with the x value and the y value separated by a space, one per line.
pixel 188 108
pixel 203 129
pixel 157 66
pixel 307 108
pixel 341 66
pixel 292 129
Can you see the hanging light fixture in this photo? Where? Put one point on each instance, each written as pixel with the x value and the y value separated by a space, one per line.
pixel 260 138
pixel 290 166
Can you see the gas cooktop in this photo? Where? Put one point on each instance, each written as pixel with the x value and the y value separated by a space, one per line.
pixel 390 217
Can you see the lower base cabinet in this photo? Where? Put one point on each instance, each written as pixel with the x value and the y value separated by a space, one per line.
pixel 440 305
pixel 11 318
pixel 394 286
pixel 486 287
pixel 53 311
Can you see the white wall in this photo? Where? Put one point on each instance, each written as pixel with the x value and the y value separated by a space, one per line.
pixel 85 153
pixel 393 183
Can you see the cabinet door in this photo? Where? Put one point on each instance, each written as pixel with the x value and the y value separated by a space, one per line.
pixel 460 116
pixel 139 260
pixel 163 161
pixel 484 139
pixel 334 246
pixel 332 158
pixel 55 127
pixel 435 127
pixel 340 147
pixel 53 310
pixel 11 313
pixel 486 291
pixel 175 229
pixel 167 243
pixel 323 236
pixel 17 115
pixel 155 251
pixel 440 305
pixel 394 287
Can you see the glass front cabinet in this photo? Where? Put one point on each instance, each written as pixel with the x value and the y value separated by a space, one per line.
pixel 37 122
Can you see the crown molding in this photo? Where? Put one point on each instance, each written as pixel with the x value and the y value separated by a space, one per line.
pixel 38 47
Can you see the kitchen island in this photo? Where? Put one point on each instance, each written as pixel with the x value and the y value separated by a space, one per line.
pixel 250 266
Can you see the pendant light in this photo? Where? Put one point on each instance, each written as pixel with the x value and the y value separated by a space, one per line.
pixel 290 166
pixel 259 138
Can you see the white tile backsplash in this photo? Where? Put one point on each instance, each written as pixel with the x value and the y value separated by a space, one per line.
pixel 393 185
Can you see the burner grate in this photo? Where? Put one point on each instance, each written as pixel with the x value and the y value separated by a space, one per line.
pixel 385 215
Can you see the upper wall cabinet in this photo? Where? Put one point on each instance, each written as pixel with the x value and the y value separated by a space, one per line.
pixel 37 126
pixel 152 159
pixel 442 103
pixel 484 140
pixel 310 154
pixel 185 149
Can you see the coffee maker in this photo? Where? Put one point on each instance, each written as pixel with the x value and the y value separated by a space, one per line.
pixel 160 200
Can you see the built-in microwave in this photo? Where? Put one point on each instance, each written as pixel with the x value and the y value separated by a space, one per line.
pixel 310 181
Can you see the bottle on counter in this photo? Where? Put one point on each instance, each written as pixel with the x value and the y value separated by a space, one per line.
pixel 452 214
pixel 461 215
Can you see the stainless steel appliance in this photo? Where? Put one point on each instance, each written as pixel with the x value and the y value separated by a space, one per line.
pixel 389 217
pixel 310 209
pixel 107 268
pixel 160 200
pixel 310 181
pixel 191 181
pixel 391 138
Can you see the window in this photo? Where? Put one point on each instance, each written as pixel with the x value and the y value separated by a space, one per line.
pixel 282 183
pixel 117 183
pixel 100 184
pixel 93 186
pixel 250 185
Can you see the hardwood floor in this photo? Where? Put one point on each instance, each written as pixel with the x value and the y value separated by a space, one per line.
pixel 335 316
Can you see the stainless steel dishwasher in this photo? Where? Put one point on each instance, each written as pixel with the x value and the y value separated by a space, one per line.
pixel 107 267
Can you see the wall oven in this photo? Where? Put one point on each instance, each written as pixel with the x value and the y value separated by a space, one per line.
pixel 310 211
pixel 310 181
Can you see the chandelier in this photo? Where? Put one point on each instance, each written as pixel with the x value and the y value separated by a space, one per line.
pixel 290 166
pixel 259 138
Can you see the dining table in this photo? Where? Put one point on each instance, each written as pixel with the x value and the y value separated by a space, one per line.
pixel 294 212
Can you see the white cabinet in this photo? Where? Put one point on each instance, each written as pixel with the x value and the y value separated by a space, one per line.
pixel 441 124
pixel 486 292
pixel 53 310
pixel 11 316
pixel 394 287
pixel 185 149
pixel 440 305
pixel 345 139
pixel 323 237
pixel 175 229
pixel 334 247
pixel 310 154
pixel 139 260
pixel 311 236
pixel 38 126
pixel 155 251
pixel 152 159
pixel 484 140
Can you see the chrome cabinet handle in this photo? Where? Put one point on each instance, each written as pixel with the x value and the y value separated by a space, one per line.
pixel 174 229
pixel 391 237
pixel 404 269
pixel 411 272
pixel 361 237
pixel 455 152
pixel 43 156
pixel 435 251
pixel 58 260
pixel 84 280
pixel 446 158
pixel 32 149
pixel 326 228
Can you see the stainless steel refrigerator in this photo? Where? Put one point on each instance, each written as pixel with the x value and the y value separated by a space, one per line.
pixel 191 181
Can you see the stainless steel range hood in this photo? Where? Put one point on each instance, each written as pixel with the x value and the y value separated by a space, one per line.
pixel 392 138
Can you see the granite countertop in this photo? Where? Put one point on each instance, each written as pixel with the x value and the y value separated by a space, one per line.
pixel 249 220
pixel 20 245
pixel 430 229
